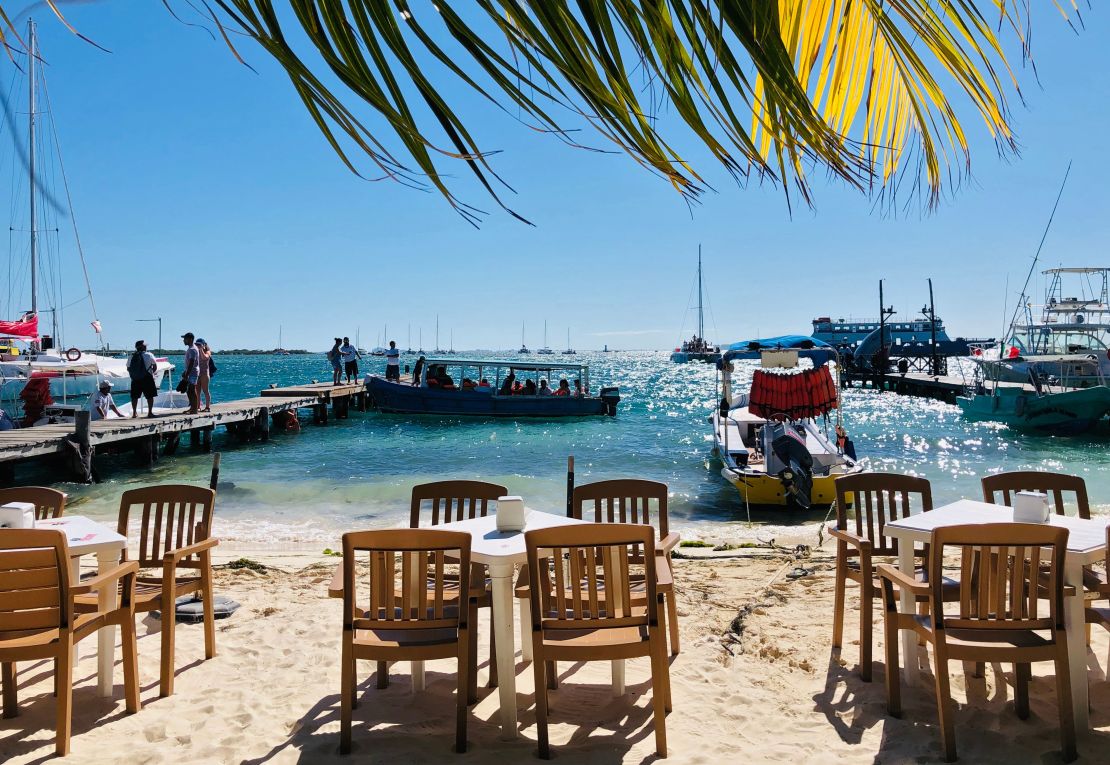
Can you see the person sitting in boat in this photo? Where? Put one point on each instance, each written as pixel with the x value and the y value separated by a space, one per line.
pixel 101 402
pixel 577 388
pixel 507 386
pixel 484 386
pixel 518 389
pixel 468 384
pixel 564 388
pixel 544 389
pixel 529 388
pixel 443 379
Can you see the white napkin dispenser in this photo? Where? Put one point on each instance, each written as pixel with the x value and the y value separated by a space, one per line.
pixel 510 514
pixel 1031 507
pixel 17 515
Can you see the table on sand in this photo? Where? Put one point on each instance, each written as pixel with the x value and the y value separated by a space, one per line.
pixel 87 537
pixel 1086 545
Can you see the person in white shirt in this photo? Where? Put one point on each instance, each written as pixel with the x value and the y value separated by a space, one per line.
pixel 350 359
pixel 393 362
pixel 101 402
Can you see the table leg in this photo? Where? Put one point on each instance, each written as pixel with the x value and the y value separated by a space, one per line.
pixel 501 575
pixel 910 664
pixel 1074 624
pixel 106 639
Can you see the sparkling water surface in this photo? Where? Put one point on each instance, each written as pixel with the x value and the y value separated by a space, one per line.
pixel 308 488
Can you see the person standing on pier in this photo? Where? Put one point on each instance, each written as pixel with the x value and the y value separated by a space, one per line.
pixel 204 378
pixel 336 359
pixel 393 362
pixel 350 359
pixel 191 374
pixel 141 369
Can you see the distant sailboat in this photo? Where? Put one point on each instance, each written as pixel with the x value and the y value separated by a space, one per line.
pixel 451 347
pixel 545 350
pixel 523 347
pixel 358 343
pixel 280 350
pixel 697 348
pixel 421 339
pixel 380 350
pixel 569 351
pixel 408 341
pixel 437 350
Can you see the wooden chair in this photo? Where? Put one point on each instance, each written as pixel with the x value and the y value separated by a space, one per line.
pixel 629 500
pixel 877 498
pixel 410 609
pixel 39 618
pixel 583 608
pixel 1053 484
pixel 1098 614
pixel 49 503
pixel 175 536
pixel 443 502
pixel 999 616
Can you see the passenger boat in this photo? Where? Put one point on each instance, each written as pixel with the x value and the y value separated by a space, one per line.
pixel 457 390
pixel 1073 330
pixel 768 439
pixel 697 348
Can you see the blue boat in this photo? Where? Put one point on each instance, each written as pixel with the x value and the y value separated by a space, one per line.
pixel 487 388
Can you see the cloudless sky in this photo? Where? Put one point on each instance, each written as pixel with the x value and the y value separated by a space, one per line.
pixel 205 194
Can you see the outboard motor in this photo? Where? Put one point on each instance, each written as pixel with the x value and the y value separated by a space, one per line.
pixel 610 397
pixel 789 448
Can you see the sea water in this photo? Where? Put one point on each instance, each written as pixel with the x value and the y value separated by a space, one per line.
pixel 306 488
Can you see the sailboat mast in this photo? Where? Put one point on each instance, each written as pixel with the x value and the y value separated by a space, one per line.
pixel 32 54
pixel 701 315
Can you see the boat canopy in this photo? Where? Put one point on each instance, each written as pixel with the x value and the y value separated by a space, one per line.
pixel 808 347
pixel 532 366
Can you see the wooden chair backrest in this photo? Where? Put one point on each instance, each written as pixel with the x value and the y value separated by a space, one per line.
pixel 49 503
pixel 1003 568
pixel 172 516
pixel 623 500
pixel 1053 484
pixel 586 575
pixel 412 573
pixel 453 501
pixel 34 581
pixel 877 499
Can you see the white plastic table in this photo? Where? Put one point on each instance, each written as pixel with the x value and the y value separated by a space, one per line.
pixel 1086 545
pixel 501 552
pixel 87 537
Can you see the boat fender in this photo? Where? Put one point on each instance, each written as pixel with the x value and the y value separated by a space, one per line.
pixel 73 354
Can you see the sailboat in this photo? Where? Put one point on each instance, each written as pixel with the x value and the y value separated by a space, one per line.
pixel 451 348
pixel 545 350
pixel 421 343
pixel 280 350
pixel 379 350
pixel 39 357
pixel 569 351
pixel 696 348
pixel 437 350
pixel 408 341
pixel 358 341
pixel 523 347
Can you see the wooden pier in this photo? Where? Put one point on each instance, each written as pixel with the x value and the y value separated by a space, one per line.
pixel 942 387
pixel 246 419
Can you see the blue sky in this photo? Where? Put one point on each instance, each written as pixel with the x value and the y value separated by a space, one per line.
pixel 205 194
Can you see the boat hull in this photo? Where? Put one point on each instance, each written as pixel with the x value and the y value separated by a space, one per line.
pixel 402 398
pixel 1065 413
pixel 683 357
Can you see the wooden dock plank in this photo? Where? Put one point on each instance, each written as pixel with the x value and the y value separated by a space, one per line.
pixel 320 390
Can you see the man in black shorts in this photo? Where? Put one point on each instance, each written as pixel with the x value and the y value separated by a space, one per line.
pixel 350 359
pixel 141 368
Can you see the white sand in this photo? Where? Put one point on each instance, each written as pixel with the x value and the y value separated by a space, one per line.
pixel 772 694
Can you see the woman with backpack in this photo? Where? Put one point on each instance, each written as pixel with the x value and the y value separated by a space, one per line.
pixel 140 369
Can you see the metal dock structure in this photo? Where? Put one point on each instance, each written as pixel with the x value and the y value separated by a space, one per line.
pixel 246 419
pixel 942 387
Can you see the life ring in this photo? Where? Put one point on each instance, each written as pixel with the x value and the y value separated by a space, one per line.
pixel 73 354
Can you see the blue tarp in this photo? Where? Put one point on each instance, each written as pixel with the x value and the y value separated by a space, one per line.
pixel 808 348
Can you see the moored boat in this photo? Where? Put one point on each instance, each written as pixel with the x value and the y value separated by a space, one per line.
pixel 437 392
pixel 768 438
pixel 697 348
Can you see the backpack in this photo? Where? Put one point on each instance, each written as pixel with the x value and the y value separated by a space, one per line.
pixel 211 367
pixel 135 367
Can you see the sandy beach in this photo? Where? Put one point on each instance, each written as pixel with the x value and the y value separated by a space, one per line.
pixel 756 681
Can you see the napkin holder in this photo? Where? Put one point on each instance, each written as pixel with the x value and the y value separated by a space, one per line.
pixel 17 515
pixel 510 514
pixel 1031 507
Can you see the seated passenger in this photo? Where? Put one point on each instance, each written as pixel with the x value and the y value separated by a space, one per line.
pixel 432 380
pixel 483 383
pixel 468 384
pixel 518 389
pixel 529 388
pixel 544 390
pixel 564 388
pixel 577 388
pixel 507 386
pixel 444 379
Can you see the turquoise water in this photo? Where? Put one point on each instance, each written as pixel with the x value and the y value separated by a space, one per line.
pixel 357 473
